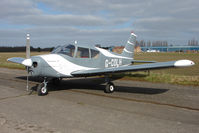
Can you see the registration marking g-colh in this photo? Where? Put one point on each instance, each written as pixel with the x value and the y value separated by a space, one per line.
pixel 113 63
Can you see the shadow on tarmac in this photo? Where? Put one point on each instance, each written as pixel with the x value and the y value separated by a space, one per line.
pixel 93 84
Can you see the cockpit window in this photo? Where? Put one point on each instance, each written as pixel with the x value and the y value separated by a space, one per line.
pixel 82 52
pixel 68 50
pixel 94 53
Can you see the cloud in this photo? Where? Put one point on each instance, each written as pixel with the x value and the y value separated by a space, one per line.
pixel 50 20
pixel 98 21
pixel 11 8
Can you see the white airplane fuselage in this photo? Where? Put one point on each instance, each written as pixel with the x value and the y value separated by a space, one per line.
pixel 60 65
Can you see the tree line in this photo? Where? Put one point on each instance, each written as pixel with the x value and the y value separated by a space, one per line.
pixel 23 49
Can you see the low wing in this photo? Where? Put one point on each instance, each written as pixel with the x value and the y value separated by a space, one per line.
pixel 142 61
pixel 159 65
pixel 23 61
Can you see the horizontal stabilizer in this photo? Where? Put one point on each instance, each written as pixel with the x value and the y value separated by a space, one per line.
pixel 23 61
pixel 149 66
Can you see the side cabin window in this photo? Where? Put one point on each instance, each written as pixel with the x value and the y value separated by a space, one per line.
pixel 94 53
pixel 68 50
pixel 82 52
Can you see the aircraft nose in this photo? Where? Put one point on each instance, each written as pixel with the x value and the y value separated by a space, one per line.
pixel 36 66
pixel 27 62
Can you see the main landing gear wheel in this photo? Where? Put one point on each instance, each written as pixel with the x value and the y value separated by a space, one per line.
pixel 110 87
pixel 42 89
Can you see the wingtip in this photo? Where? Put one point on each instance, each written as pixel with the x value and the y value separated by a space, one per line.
pixel 184 63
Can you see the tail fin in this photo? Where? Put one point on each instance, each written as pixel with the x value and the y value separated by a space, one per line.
pixel 28 46
pixel 129 48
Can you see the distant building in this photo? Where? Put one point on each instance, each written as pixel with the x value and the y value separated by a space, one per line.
pixel 171 48
pixel 137 49
pixel 118 49
pixel 151 51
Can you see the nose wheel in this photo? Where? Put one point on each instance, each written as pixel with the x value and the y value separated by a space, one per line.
pixel 42 89
pixel 110 87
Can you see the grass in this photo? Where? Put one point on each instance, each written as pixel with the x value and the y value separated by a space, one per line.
pixel 182 76
pixel 188 71
pixel 162 78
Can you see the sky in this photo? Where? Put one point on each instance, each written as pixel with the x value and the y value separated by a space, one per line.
pixel 106 22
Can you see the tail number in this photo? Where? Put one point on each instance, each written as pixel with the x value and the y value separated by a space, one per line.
pixel 113 63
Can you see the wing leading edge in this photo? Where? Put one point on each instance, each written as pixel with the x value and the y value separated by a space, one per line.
pixel 159 65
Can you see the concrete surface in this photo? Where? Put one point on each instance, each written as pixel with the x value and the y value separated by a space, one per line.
pixel 81 106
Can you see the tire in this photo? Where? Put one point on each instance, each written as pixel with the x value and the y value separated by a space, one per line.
pixel 42 89
pixel 110 87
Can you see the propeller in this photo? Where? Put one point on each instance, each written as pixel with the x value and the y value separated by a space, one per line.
pixel 27 62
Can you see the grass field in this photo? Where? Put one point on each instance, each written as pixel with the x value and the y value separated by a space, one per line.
pixel 188 71
pixel 183 76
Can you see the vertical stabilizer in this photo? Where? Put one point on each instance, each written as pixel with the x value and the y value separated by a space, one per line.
pixel 27 46
pixel 129 47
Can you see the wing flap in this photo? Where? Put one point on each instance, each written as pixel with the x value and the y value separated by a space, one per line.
pixel 142 61
pixel 159 65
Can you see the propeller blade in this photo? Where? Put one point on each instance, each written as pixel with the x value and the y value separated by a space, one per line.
pixel 27 46
pixel 27 83
pixel 27 62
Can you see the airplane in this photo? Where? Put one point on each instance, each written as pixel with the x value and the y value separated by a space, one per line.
pixel 74 60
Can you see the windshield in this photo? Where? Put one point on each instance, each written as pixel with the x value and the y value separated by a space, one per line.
pixel 56 49
pixel 67 50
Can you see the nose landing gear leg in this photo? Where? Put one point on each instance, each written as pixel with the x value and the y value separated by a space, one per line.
pixel 42 88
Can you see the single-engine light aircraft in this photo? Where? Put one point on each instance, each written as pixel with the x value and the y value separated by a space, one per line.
pixel 74 60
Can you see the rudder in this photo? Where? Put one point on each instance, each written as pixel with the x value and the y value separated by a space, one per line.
pixel 129 47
